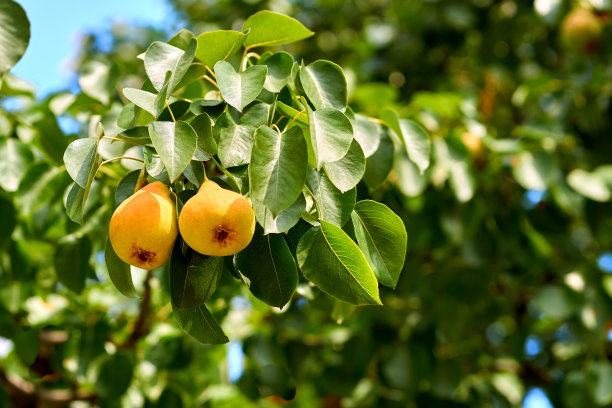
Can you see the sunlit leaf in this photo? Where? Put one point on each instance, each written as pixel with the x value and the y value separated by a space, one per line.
pixel 266 28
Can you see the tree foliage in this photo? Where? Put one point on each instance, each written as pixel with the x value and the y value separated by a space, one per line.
pixel 432 148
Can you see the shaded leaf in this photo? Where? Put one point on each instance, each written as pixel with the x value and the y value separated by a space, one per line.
pixel 331 134
pixel 332 205
pixel 72 262
pixel 119 272
pixel 175 143
pixel 234 141
pixel 332 261
pixel 79 158
pixel 206 146
pixel 240 88
pixel 346 172
pixel 14 34
pixel 382 238
pixel 200 324
pixel 15 157
pixel 279 70
pixel 285 220
pixel 268 269
pixel 325 85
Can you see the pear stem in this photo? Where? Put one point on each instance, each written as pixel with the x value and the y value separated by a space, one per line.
pixel 229 175
pixel 205 176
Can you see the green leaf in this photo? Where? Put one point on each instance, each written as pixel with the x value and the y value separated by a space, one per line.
pixel 413 136
pixel 235 141
pixel 175 143
pixel 591 185
pixel 379 164
pixel 332 205
pixel 98 80
pixel 72 262
pixel 557 301
pixel 74 202
pixel 279 70
pixel 218 45
pixel 195 172
pixel 115 375
pixel 200 324
pixel 10 85
pixel 278 167
pixel 283 221
pixel 331 134
pixel 268 269
pixel 161 58
pixel 367 134
pixel 325 85
pixel 80 158
pixel 266 29
pixel 143 99
pixel 14 34
pixel 182 39
pixel 382 238
pixel 206 146
pixel 240 89
pixel 410 181
pixel 15 157
pixel 193 281
pixel 119 272
pixel 346 172
pixel 331 260
pixel 9 221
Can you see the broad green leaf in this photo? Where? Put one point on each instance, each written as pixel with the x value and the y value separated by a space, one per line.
pixel 114 376
pixel 346 172
pixel 367 134
pixel 331 260
pixel 331 134
pixel 15 157
pixel 161 58
pixel 143 99
pixel 119 272
pixel 51 138
pixel 14 34
pixel 234 141
pixel 98 80
pixel 74 201
pixel 200 324
pixel 279 70
pixel 557 301
pixel 10 85
pixel 590 185
pixel 266 29
pixel 325 85
pixel 175 143
pixel 72 262
pixel 278 167
pixel 268 269
pixel 206 146
pixel 332 205
pixel 535 171
pixel 194 280
pixel 41 185
pixel 79 158
pixel 283 221
pixel 379 164
pixel 382 238
pixel 218 45
pixel 255 115
pixel 240 89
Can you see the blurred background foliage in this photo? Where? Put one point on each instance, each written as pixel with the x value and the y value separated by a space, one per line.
pixel 506 294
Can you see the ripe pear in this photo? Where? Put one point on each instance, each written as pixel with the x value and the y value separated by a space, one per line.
pixel 216 221
pixel 143 228
pixel 581 31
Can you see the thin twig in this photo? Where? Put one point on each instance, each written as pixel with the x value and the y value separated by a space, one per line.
pixel 212 81
pixel 210 71
pixel 120 158
pixel 295 118
pixel 170 110
pixel 140 327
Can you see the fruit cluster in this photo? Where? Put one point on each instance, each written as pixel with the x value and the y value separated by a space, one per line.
pixel 215 222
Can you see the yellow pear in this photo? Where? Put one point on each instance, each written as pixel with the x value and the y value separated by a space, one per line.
pixel 143 228
pixel 216 221
pixel 581 31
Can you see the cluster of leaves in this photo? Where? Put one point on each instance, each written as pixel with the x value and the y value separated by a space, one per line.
pixel 306 173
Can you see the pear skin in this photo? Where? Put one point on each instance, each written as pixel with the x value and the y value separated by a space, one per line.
pixel 216 221
pixel 143 228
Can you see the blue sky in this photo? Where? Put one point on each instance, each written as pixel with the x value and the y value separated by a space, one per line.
pixel 54 25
